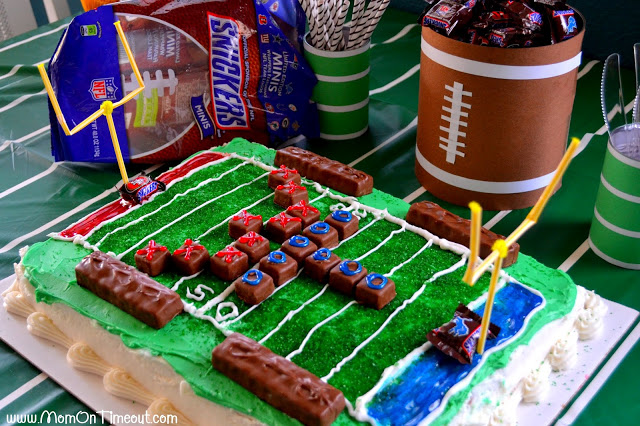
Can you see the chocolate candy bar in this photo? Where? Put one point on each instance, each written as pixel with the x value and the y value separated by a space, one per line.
pixel 344 222
pixel 530 19
pixel 447 225
pixel 318 265
pixel 299 248
pixel 281 227
pixel 564 24
pixel 283 175
pixel 140 189
pixel 153 259
pixel 244 222
pixel 253 287
pixel 305 211
pixel 327 172
pixel 375 290
pixel 190 257
pixel 459 337
pixel 346 275
pixel 279 266
pixel 278 381
pixel 128 289
pixel 289 194
pixel 447 15
pixel 254 245
pixel 322 234
pixel 229 264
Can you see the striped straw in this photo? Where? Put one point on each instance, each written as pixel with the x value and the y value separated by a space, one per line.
pixel 374 18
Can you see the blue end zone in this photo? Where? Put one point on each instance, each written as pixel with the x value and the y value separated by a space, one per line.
pixel 434 373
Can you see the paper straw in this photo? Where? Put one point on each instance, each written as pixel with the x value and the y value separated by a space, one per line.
pixel 332 13
pixel 323 40
pixel 357 22
pixel 374 18
pixel 338 34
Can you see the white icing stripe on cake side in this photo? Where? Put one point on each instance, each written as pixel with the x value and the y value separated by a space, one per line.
pixel 292 313
pixel 175 197
pixel 416 254
pixel 176 286
pixel 399 309
pixel 173 222
pixel 198 294
pixel 316 327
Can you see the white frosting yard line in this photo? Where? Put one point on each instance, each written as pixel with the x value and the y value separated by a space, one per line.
pixel 219 298
pixel 317 326
pixel 195 188
pixel 153 196
pixel 176 286
pixel 229 218
pixel 291 314
pixel 399 309
pixel 173 222
pixel 416 254
pixel 383 242
pixel 226 324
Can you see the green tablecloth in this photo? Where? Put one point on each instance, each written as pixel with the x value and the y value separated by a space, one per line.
pixel 38 196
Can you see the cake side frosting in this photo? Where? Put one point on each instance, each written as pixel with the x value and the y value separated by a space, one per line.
pixel 187 355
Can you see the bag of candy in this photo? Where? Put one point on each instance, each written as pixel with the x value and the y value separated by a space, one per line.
pixel 213 70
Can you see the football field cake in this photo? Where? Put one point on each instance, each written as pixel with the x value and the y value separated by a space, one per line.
pixel 265 294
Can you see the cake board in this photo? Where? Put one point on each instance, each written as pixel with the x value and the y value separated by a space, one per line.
pixel 567 395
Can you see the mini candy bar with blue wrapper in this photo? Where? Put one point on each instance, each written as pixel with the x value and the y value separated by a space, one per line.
pixel 140 189
pixel 448 15
pixel 459 337
pixel 213 70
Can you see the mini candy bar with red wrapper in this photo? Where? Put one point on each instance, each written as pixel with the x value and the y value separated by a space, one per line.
pixel 213 70
pixel 459 337
pixel 447 16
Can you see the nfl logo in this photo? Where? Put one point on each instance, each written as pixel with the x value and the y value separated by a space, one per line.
pixel 103 89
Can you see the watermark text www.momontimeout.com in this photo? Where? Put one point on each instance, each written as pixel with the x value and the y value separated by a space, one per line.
pixel 85 418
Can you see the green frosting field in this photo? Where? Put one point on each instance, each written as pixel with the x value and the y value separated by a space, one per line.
pixel 186 342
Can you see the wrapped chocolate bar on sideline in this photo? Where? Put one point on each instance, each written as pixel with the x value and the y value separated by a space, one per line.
pixel 128 289
pixel 278 381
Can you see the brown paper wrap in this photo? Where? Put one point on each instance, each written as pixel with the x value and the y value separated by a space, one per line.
pixel 514 130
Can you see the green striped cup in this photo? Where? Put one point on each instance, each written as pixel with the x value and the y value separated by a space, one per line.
pixel 615 230
pixel 342 92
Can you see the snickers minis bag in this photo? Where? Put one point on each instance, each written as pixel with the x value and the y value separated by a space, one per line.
pixel 213 70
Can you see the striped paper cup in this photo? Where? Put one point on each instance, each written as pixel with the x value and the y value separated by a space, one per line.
pixel 342 92
pixel 615 229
